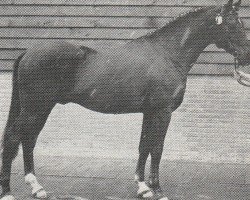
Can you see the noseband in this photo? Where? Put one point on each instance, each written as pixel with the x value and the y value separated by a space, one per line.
pixel 241 77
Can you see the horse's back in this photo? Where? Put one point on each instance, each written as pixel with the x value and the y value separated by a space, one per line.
pixel 53 54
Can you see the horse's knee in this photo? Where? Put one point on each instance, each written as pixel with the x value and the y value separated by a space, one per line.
pixel 156 152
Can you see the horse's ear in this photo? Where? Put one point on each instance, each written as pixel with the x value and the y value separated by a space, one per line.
pixel 237 5
pixel 229 3
pixel 228 6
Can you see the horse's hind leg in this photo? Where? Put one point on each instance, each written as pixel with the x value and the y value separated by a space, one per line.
pixel 25 130
pixel 11 141
pixel 35 123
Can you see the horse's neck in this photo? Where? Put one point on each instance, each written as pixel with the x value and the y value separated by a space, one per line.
pixel 183 44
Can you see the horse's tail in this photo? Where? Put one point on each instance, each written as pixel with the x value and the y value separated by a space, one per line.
pixel 15 102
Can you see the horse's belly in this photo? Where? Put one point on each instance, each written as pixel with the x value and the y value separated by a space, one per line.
pixel 110 101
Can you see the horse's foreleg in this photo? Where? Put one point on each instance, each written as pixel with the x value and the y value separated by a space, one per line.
pixel 154 129
pixel 144 148
pixel 35 124
pixel 160 123
pixel 144 190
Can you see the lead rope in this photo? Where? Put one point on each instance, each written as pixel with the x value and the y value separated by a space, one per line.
pixel 240 76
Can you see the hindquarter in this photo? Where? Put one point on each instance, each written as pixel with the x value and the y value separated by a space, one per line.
pixel 45 71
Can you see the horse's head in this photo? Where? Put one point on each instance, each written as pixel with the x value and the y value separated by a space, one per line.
pixel 229 33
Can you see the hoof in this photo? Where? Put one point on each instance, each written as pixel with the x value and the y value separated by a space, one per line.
pixel 8 197
pixel 144 192
pixel 145 195
pixel 150 193
pixel 40 194
pixel 156 194
pixel 152 197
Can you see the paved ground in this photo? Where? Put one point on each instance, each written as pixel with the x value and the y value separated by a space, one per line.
pixel 97 178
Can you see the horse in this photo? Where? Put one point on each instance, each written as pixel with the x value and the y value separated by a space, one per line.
pixel 147 75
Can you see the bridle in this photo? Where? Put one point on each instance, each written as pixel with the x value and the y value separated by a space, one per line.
pixel 241 77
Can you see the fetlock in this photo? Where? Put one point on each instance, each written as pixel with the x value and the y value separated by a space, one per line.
pixel 154 183
pixel 5 187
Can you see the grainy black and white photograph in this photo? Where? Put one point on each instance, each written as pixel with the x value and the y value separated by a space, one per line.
pixel 125 99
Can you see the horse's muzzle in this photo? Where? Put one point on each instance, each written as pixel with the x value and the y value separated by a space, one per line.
pixel 242 59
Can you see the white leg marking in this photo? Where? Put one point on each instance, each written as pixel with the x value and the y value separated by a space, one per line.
pixel 136 178
pixel 143 188
pixel 8 197
pixel 37 189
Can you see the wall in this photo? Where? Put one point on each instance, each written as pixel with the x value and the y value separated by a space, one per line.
pixel 98 23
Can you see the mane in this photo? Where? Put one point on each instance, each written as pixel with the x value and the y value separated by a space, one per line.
pixel 184 15
pixel 179 18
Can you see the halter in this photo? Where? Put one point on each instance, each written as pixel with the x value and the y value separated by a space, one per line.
pixel 241 77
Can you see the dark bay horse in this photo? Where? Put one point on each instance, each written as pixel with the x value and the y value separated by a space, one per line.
pixel 147 75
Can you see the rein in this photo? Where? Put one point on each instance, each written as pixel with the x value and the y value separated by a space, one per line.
pixel 241 77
